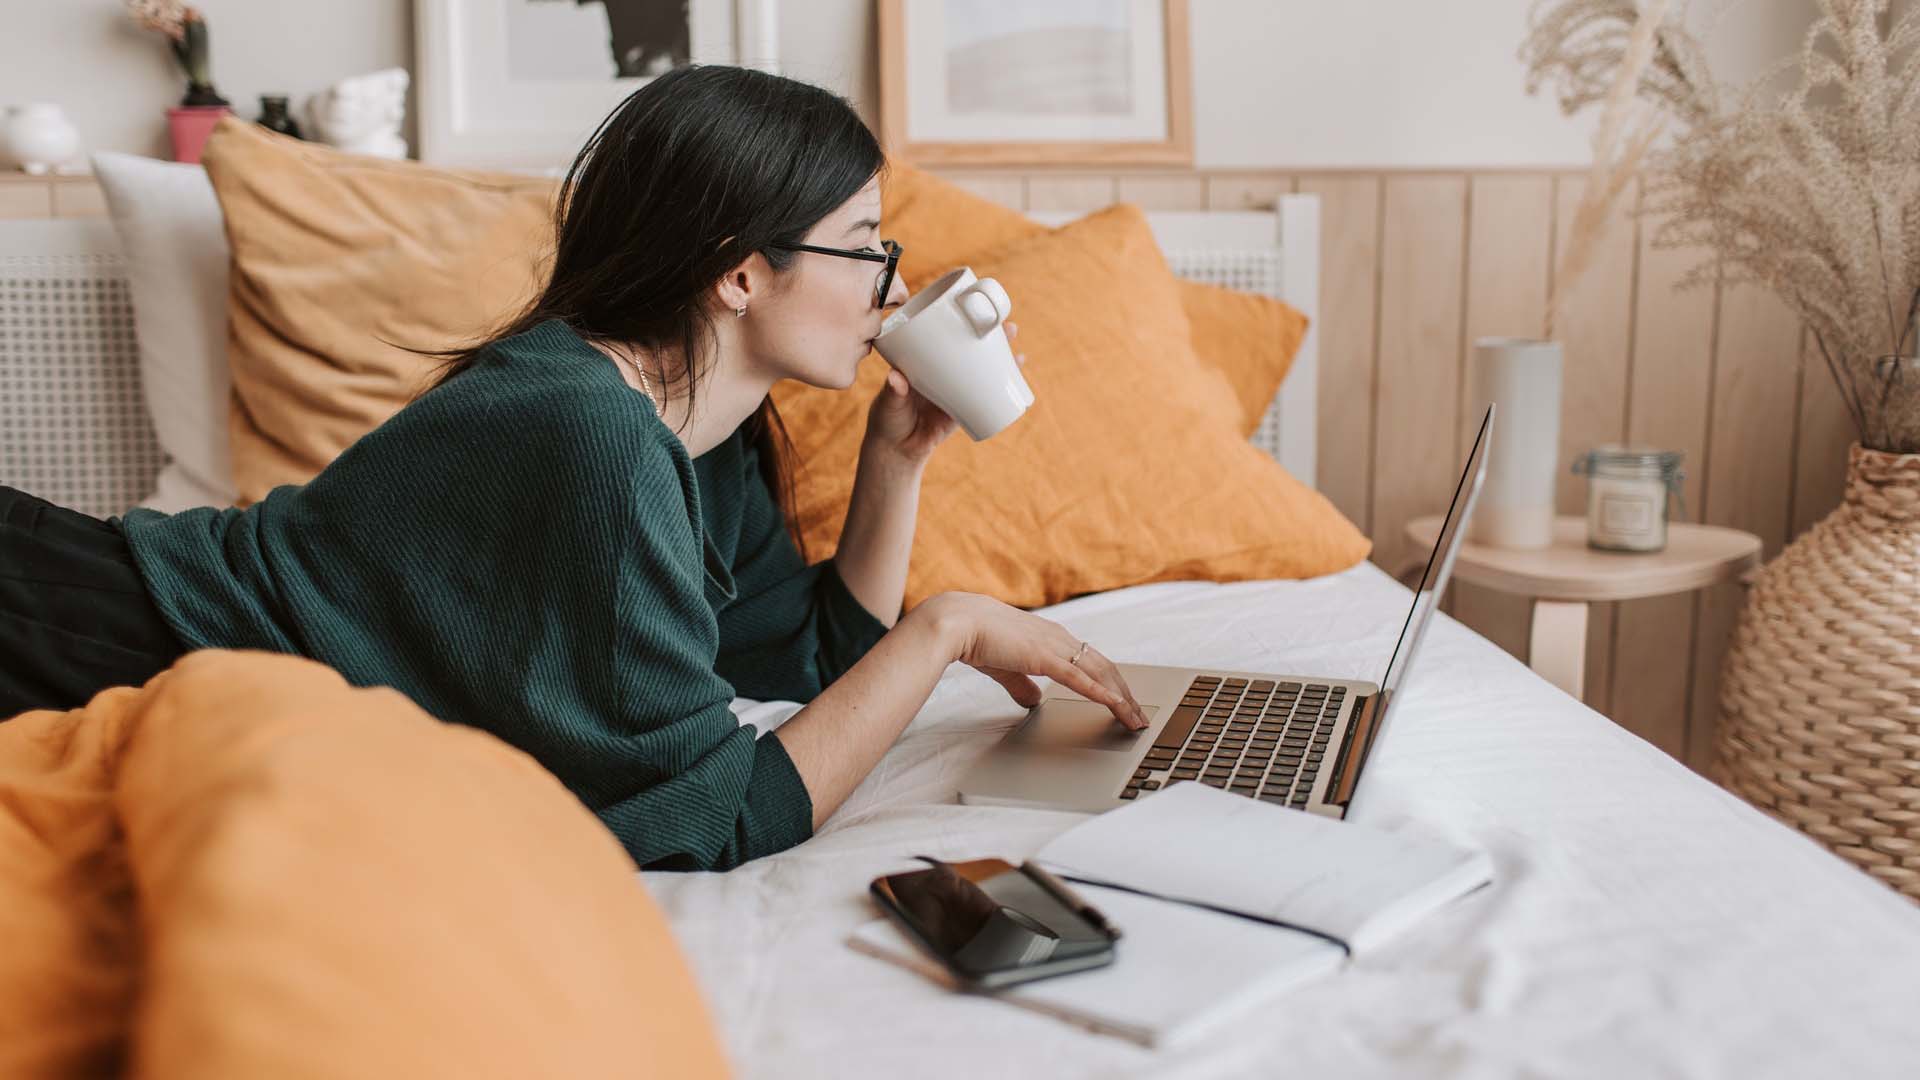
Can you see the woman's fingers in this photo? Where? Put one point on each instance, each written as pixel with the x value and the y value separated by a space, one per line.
pixel 1082 681
pixel 1008 644
pixel 1092 689
pixel 1108 673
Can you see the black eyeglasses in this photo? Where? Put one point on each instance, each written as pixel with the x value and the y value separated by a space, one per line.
pixel 891 257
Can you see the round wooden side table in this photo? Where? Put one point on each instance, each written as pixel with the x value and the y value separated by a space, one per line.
pixel 1564 577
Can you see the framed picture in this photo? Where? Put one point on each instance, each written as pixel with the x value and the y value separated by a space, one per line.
pixel 1035 82
pixel 522 84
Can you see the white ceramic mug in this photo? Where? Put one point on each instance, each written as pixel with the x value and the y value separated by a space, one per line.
pixel 950 342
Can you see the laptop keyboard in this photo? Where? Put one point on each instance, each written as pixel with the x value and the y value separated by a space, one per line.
pixel 1257 737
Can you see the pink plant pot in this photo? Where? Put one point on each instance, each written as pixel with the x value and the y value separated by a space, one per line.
pixel 190 125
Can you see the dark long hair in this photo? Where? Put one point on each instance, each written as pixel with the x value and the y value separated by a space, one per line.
pixel 690 175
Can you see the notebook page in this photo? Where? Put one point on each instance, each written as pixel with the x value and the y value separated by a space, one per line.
pixel 1178 972
pixel 1203 845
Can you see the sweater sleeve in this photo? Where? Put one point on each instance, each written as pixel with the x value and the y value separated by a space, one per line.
pixel 712 795
pixel 791 629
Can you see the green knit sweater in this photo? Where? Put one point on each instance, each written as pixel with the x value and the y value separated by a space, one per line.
pixel 528 549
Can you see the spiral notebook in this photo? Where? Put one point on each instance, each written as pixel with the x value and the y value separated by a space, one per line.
pixel 1224 902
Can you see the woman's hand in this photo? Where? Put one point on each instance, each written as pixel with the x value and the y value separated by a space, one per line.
pixel 905 426
pixel 1009 646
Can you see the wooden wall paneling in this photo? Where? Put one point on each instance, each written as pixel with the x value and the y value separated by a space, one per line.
pixel 1596 331
pixel 1748 473
pixel 1005 189
pixel 1510 235
pixel 78 199
pixel 1349 356
pixel 1173 191
pixel 1667 407
pixel 1247 191
pixel 1069 191
pixel 23 196
pixel 1821 440
pixel 1423 245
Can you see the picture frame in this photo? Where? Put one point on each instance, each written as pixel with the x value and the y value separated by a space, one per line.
pixel 495 82
pixel 1009 83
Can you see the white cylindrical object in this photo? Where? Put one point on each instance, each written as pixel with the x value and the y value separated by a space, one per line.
pixel 1522 376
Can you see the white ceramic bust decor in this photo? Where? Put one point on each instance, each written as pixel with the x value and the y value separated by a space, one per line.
pixel 362 114
pixel 39 137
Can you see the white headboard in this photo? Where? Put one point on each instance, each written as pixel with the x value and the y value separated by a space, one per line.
pixel 74 426
pixel 1274 254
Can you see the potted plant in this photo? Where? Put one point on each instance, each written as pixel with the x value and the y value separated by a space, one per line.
pixel 185 29
pixel 1814 194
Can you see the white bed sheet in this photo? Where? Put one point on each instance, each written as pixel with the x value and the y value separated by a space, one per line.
pixel 1644 922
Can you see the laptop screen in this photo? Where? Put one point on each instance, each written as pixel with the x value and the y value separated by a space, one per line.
pixel 1433 579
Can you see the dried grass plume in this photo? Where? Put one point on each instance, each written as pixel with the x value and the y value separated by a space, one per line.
pixel 1617 156
pixel 1813 194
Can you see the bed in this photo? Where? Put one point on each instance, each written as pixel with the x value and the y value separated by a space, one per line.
pixel 1643 923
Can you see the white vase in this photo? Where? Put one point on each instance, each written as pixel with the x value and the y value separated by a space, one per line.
pixel 40 137
pixel 1522 376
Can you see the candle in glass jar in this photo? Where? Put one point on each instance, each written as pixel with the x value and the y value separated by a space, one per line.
pixel 1627 496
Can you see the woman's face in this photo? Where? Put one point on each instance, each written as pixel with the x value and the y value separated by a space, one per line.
pixel 819 319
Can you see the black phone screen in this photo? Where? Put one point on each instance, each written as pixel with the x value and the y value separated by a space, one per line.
pixel 999 923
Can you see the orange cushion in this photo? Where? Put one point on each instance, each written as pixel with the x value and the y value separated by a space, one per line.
pixel 1129 468
pixel 256 869
pixel 340 264
pixel 1249 339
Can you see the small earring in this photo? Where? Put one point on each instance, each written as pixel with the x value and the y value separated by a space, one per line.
pixel 739 311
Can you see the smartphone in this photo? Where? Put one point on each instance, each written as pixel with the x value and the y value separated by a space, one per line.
pixel 993 924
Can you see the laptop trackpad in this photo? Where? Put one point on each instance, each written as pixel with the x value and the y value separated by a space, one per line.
pixel 1078 724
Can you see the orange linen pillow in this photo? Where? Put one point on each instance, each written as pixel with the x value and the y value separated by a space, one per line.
pixel 1250 339
pixel 1129 467
pixel 340 262
pixel 334 257
pixel 329 882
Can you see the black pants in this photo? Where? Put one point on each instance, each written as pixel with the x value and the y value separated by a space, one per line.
pixel 75 617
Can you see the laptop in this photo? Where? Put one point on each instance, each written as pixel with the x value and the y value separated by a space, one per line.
pixel 1299 741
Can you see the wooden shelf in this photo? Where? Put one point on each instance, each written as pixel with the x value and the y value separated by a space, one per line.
pixel 1564 577
pixel 60 195
pixel 1695 556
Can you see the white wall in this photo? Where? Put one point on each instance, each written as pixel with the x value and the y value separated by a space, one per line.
pixel 1277 83
pixel 1410 83
pixel 116 80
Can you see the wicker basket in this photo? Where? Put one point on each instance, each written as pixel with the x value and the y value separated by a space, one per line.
pixel 1820 702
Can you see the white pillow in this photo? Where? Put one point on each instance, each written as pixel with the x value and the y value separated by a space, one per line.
pixel 176 245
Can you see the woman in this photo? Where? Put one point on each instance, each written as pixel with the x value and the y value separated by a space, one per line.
pixel 574 539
